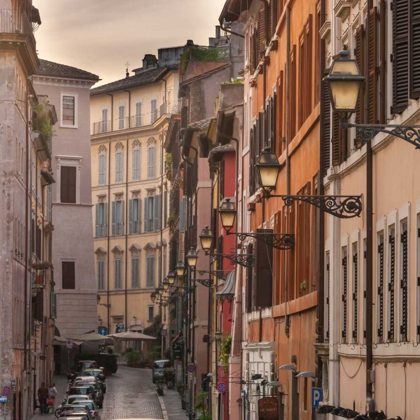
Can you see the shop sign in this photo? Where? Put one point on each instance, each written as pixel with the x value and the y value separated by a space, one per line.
pixel 268 408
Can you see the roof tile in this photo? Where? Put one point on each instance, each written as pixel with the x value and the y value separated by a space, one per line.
pixel 49 68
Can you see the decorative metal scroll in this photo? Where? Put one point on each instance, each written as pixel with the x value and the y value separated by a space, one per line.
pixel 282 241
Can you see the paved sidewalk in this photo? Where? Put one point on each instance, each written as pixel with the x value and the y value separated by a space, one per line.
pixel 172 403
pixel 61 385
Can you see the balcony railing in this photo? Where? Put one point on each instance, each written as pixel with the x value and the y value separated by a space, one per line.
pixel 134 121
pixel 12 24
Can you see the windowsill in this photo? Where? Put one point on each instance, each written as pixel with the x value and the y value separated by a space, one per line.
pixel 68 126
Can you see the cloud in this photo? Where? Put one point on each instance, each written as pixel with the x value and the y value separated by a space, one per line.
pixel 100 36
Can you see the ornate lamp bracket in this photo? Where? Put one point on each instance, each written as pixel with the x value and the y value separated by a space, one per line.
pixel 282 241
pixel 240 259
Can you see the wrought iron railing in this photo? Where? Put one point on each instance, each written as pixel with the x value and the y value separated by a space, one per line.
pixel 15 24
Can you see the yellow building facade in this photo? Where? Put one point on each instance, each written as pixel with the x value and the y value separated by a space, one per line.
pixel 130 194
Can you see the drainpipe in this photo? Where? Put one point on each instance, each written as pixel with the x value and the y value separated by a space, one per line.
pixel 161 226
pixel 229 31
pixel 369 265
pixel 288 105
pixel 126 236
pixel 112 113
pixel 129 113
pixel 109 238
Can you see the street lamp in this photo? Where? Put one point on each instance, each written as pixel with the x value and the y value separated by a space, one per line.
pixel 344 81
pixel 161 290
pixel 180 269
pixel 165 283
pixel 192 258
pixel 206 239
pixel 171 277
pixel 227 214
pixel 153 297
pixel 218 335
pixel 268 168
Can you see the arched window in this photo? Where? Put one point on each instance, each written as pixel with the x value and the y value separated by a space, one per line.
pixel 136 160
pixel 102 165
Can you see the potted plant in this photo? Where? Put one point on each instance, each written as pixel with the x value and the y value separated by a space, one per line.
pixel 169 375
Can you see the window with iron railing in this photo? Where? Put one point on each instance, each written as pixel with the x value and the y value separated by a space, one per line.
pixel 355 292
pixel 404 283
pixel 380 287
pixel 344 294
pixel 391 284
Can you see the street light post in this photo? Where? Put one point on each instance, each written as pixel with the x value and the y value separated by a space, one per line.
pixel 344 81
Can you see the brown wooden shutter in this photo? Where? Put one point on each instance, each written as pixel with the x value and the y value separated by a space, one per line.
pixel 335 141
pixel 308 67
pixel 38 303
pixel 292 99
pixel 249 274
pixel 400 59
pixel 279 115
pixel 382 64
pixel 273 121
pixel 68 275
pixel 273 17
pixel 414 49
pixel 372 68
pixel 326 127
pixel 360 59
pixel 252 62
pixel 262 32
pixel 68 184
pixel 263 274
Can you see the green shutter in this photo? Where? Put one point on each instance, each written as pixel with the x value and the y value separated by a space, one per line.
pixel 97 224
pixel 130 215
pixel 146 215
pixel 121 219
pixel 114 217
pixel 105 220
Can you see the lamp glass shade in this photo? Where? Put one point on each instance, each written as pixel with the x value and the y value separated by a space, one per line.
pixel 153 297
pixel 206 239
pixel 268 167
pixel 218 335
pixel 180 269
pixel 345 81
pixel 227 214
pixel 161 289
pixel 165 284
pixel 171 277
pixel 192 258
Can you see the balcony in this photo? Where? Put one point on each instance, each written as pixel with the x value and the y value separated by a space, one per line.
pixel 125 123
pixel 12 24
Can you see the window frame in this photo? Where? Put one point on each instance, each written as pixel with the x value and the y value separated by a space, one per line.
pixel 151 307
pixel 150 284
pixel 121 121
pixel 135 282
pixel 152 121
pixel 149 161
pixel 76 110
pixel 118 153
pixel 139 115
pixel 63 261
pixel 99 263
pixel 135 170
pixel 119 259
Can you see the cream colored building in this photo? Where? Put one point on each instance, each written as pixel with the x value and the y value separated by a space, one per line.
pixel 130 191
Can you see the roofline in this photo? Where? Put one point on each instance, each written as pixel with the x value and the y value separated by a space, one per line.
pixel 204 75
pixel 58 77
pixel 158 78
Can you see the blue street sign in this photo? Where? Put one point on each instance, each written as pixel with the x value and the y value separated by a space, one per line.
pixel 222 388
pixel 103 331
pixel 317 397
pixel 3 399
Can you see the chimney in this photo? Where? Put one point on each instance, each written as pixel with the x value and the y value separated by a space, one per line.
pixel 217 32
pixel 190 43
pixel 149 60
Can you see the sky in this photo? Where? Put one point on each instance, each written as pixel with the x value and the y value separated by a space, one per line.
pixel 101 36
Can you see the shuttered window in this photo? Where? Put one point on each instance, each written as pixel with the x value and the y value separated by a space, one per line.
pixel 104 121
pixel 327 296
pixel 68 275
pixel 252 172
pixel 182 213
pixel 136 163
pixel 135 273
pixel 404 283
pixel 382 97
pixel 118 273
pixel 119 167
pixel 150 271
pixel 101 219
pixel 263 273
pixel 69 110
pixel 360 59
pixel 380 287
pixel 364 289
pixel 414 49
pixel 344 294
pixel 38 306
pixel 400 56
pixel 53 305
pixel 101 275
pixel 280 113
pixel 273 17
pixel 292 100
pixel 118 217
pixel 102 169
pixel 151 313
pixel 391 285
pixel 272 118
pixel 121 117
pixel 134 213
pixel 326 128
pixel 165 209
pixel 68 184
pixel 153 111
pixel 262 32
pixel 139 106
pixel 252 51
pixel 151 162
pixel 372 85
pixel 158 212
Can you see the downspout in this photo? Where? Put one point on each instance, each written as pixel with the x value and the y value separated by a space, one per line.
pixel 28 224
pixel 229 31
pixel 129 114
pixel 161 231
pixel 112 113
pixel 288 105
pixel 126 237
pixel 109 238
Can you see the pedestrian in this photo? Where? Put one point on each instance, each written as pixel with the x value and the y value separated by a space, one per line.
pixel 42 396
pixel 52 393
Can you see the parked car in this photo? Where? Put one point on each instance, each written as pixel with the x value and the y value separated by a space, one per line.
pixel 79 410
pixel 98 395
pixel 74 416
pixel 158 368
pixel 98 374
pixel 92 407
pixel 86 364
pixel 73 398
pixel 82 390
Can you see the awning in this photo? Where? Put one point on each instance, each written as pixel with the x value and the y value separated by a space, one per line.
pixel 131 336
pixel 224 128
pixel 228 290
pixel 217 153
pixel 49 179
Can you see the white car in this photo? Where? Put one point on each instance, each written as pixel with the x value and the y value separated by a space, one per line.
pixel 73 398
pixel 91 405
